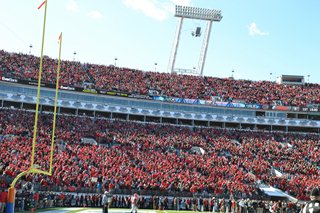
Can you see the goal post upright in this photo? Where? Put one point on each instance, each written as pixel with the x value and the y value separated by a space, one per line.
pixel 204 14
pixel 33 169
pixel 12 191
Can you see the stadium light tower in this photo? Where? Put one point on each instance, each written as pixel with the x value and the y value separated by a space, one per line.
pixel 204 14
pixel 30 48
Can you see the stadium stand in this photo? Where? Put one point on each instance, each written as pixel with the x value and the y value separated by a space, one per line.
pixel 132 156
pixel 22 66
pixel 93 154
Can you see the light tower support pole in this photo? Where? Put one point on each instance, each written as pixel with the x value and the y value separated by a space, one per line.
pixel 175 46
pixel 203 53
pixel 204 14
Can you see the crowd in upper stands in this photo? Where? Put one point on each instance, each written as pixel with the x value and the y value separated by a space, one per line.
pixel 103 77
pixel 157 157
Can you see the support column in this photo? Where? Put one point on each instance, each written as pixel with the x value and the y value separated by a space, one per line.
pixel 175 46
pixel 205 44
pixel 10 202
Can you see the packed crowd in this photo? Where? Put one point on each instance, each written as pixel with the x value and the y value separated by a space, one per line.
pixel 157 157
pixel 24 66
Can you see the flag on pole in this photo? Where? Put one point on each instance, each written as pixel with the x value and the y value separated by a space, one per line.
pixel 42 4
pixel 60 37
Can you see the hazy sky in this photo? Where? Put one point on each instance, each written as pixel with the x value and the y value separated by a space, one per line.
pixel 255 38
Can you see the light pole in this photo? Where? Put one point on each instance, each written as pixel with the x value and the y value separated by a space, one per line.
pixel 74 55
pixel 232 73
pixel 155 66
pixel 115 61
pixel 308 78
pixel 270 76
pixel 30 46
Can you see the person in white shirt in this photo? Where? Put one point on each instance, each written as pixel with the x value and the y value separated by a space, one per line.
pixel 105 202
pixel 134 203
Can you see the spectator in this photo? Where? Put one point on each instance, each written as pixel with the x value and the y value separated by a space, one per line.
pixel 313 206
pixel 3 200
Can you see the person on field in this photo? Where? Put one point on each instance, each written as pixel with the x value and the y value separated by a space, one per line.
pixel 134 203
pixel 105 202
pixel 313 206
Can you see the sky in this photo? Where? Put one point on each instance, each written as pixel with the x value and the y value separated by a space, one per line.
pixel 259 40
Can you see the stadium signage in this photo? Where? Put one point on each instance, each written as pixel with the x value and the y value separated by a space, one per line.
pixel 281 108
pixel 139 96
pixel 67 88
pixel 9 79
pixel 36 83
pixel 294 108
pixel 93 91
pixel 314 109
pixel 253 106
pixel 111 93
pixel 122 94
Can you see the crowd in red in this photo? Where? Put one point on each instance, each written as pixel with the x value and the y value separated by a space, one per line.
pixel 157 157
pixel 24 66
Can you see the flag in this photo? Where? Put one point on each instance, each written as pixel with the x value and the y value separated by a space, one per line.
pixel 60 37
pixel 42 4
